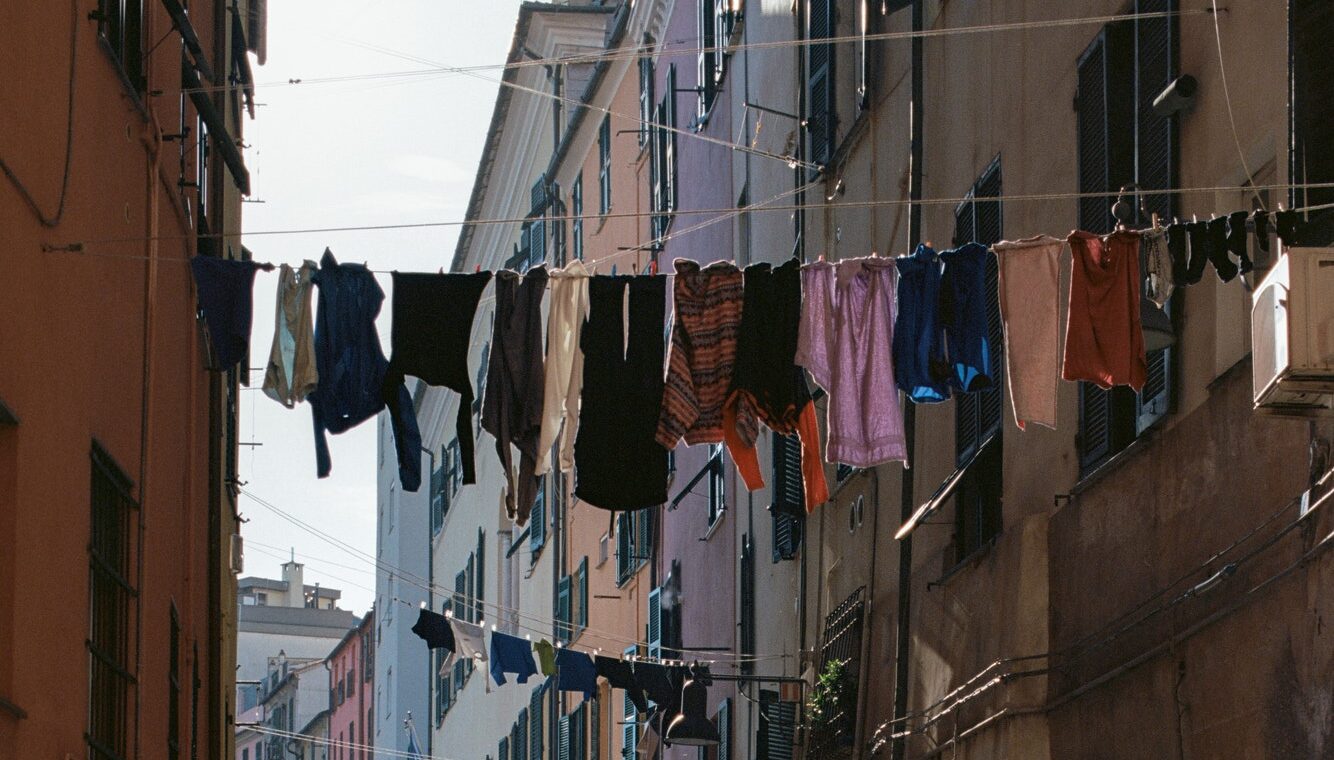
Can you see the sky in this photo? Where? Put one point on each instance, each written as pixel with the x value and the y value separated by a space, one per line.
pixel 364 151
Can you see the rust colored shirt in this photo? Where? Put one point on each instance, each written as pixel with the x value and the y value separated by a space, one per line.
pixel 1104 343
pixel 705 322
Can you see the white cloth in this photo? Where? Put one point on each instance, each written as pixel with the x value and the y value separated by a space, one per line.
pixel 468 639
pixel 1029 272
pixel 565 364
pixel 1158 264
pixel 291 373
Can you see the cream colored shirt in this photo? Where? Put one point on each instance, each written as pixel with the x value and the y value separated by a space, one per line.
pixel 291 374
pixel 565 364
pixel 1029 302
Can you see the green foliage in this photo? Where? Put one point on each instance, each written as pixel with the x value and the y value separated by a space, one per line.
pixel 833 702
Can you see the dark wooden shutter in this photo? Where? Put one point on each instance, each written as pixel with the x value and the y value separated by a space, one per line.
pixel 519 736
pixel 563 609
pixel 788 510
pixel 581 575
pixel 479 593
pixel 536 728
pixel 537 241
pixel 645 99
pixel 654 626
pixel 706 58
pixel 669 152
pixel 1155 157
pixel 537 519
pixel 778 719
pixel 624 545
pixel 724 725
pixel 595 729
pixel 437 497
pixel 820 115
pixel 563 739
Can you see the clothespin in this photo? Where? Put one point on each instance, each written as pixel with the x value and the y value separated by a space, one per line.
pixel 821 259
pixel 1154 218
pixel 613 270
pixel 476 268
pixel 423 605
pixel 653 267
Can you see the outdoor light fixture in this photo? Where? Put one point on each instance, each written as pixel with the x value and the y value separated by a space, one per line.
pixel 1156 325
pixel 692 727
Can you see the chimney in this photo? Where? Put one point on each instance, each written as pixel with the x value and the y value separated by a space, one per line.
pixel 294 577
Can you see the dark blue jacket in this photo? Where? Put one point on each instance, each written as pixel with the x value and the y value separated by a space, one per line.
pixel 352 367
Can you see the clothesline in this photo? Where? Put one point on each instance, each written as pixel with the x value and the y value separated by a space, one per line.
pixel 668 48
pixel 79 247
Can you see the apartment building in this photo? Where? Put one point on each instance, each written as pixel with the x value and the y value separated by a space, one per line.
pixel 120 121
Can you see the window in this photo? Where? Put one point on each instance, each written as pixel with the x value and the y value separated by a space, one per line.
pixel 821 120
pixel 536 727
pixel 438 478
pixel 775 736
pixel 121 24
pixel 201 172
pixel 723 722
pixel 537 520
pixel 537 226
pixel 604 165
pixel 111 551
pixel 746 622
pixel 717 495
pixel 706 58
pixel 479 585
pixel 662 164
pixel 979 416
pixel 788 510
pixel 579 733
pixel 645 100
pixel 577 212
pixel 1121 140
pixel 1311 26
pixel 842 643
pixel 454 466
pixel 174 686
pixel 351 682
pixel 629 716
pixel 634 542
pixel 503 752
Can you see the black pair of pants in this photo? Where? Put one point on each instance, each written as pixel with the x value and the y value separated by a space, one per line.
pixel 618 463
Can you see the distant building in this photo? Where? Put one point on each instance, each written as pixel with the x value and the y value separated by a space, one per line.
pixel 294 694
pixel 312 749
pixel 249 742
pixel 351 691
pixel 283 625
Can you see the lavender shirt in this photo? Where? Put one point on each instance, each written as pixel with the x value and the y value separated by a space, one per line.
pixel 847 322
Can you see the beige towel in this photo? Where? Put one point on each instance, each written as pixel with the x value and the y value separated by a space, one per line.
pixel 1029 285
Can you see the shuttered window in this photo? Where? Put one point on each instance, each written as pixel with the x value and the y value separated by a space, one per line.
pixel 706 58
pixel 788 510
pixel 112 549
pixel 604 165
pixel 519 737
pixel 634 542
pixel 577 222
pixel 562 626
pixel 746 624
pixel 503 751
pixel 774 739
pixel 629 717
pixel 821 119
pixel 536 727
pixel 563 738
pixel 645 100
pixel 654 625
pixel 537 520
pixel 479 578
pixel 723 721
pixel 537 226
pixel 437 499
pixel 1121 140
pixel 978 416
pixel 580 588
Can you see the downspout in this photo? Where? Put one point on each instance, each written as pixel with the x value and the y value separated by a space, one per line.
pixel 904 645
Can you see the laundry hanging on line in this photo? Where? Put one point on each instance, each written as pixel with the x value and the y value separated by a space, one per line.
pixel 831 319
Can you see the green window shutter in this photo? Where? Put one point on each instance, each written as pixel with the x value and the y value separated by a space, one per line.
pixel 645 99
pixel 519 736
pixel 437 498
pixel 706 58
pixel 669 164
pixel 503 751
pixel 788 511
pixel 821 118
pixel 629 717
pixel 582 574
pixel 536 726
pixel 779 729
pixel 654 625
pixel 578 734
pixel 595 729
pixel 537 519
pixel 623 546
pixel 562 631
pixel 479 592
pixel 724 724
pixel 563 739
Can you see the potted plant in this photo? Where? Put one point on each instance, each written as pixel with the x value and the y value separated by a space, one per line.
pixel 832 707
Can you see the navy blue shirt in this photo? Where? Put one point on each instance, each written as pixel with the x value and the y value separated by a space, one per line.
pixel 226 295
pixel 511 654
pixel 575 671
pixel 963 315
pixel 920 366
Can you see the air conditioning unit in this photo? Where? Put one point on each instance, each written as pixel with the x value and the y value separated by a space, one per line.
pixel 1292 335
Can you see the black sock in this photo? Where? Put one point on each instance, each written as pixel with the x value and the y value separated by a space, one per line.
pixel 1289 225
pixel 1217 233
pixel 1199 251
pixel 1261 220
pixel 1177 249
pixel 1237 242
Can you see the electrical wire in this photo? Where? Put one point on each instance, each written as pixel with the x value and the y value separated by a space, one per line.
pixel 1227 98
pixel 336 743
pixel 76 248
pixel 668 50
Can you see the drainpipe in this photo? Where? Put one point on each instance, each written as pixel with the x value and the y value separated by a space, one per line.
pixel 904 644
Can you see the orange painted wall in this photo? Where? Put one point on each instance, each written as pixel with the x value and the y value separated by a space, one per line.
pixel 82 360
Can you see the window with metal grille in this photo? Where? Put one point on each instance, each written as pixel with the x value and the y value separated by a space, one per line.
pixel 1311 73
pixel 1120 141
pixel 788 510
pixel 604 166
pixel 821 118
pixel 842 642
pixel 979 416
pixel 111 601
pixel 121 25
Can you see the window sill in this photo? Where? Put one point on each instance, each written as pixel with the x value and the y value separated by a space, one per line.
pixel 1114 462
pixel 714 526
pixel 969 561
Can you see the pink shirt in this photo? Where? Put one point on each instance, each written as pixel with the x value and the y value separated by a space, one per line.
pixel 846 333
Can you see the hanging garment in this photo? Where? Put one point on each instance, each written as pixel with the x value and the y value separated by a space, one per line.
pixel 354 380
pixel 847 328
pixel 512 409
pixel 1029 285
pixel 470 639
pixel 434 629
pixel 657 682
pixel 963 316
pixel 291 374
pixel 1260 220
pixel 1158 264
pixel 1237 242
pixel 1289 226
pixel 546 657
pixel 1179 251
pixel 705 320
pixel 430 337
pixel 1103 340
pixel 920 364
pixel 511 654
pixel 1216 229
pixel 1198 232
pixel 618 462
pixel 225 289
pixel 767 385
pixel 621 675
pixel 575 672
pixel 565 364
